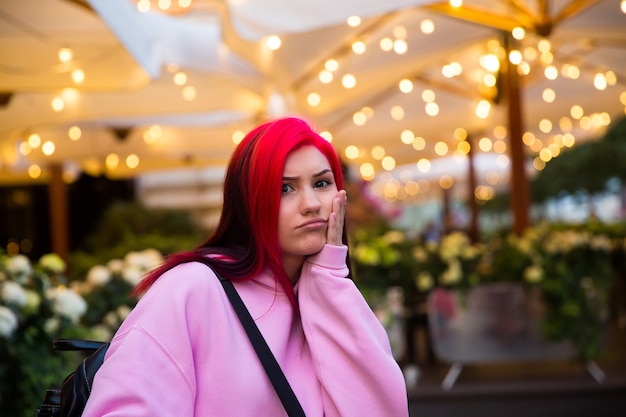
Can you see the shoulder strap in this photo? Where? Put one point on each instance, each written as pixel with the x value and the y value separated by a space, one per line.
pixel 272 368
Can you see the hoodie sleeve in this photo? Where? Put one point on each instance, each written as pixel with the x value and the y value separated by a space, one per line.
pixel 350 348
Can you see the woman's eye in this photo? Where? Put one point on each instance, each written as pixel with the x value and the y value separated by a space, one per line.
pixel 322 183
pixel 286 188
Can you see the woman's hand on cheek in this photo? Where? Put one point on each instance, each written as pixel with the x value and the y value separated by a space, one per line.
pixel 335 220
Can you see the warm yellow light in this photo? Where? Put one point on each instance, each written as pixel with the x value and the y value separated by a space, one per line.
pixel 180 78
pixel 152 134
pixel 388 163
pixel 74 133
pixel 331 65
pixel 313 99
pixel 548 95
pixel 515 57
pixel 273 42
pixel 544 45
pixel 34 140
pixel 354 21
pixel 547 58
pixel 25 148
pixel 518 33
pixel 405 85
pixel 407 136
pixel 423 165
pixel 399 32
pixel 568 140
pixel 428 96
pixel 490 62
pixel 499 132
pixel 456 3
pixel 483 108
pixel 78 76
pixel 358 47
pixel 326 135
pixel 165 4
pixel 65 54
pixel 463 147
pixel 599 81
pixel 427 26
pixel 397 113
pixel 489 80
pixel 378 152
pixel 446 182
pixel 189 93
pixel 576 112
pixel 237 136
pixel 386 44
pixel 184 3
pixel 460 134
pixel 143 5
pixel 502 161
pixel 34 171
pixel 432 109
pixel 57 104
pixel 538 164
pixel 351 152
pixel 400 46
pixel 419 143
pixel 359 118
pixel 112 161
pixel 325 76
pixel 348 81
pixel 367 171
pixel 485 144
pixel 441 148
pixel 545 125
pixel 499 146
pixel 132 161
pixel 551 72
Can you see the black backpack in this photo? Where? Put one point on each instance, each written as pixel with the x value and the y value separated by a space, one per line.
pixel 70 399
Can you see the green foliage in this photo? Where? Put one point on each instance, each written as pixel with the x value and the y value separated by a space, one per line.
pixel 573 267
pixel 127 227
pixel 35 308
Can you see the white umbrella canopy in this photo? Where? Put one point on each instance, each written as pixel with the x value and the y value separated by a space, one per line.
pixel 130 60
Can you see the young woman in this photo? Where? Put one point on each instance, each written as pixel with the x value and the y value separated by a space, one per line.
pixel 281 240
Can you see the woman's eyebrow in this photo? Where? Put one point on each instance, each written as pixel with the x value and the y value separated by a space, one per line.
pixel 319 174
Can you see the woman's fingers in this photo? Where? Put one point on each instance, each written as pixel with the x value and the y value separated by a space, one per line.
pixel 336 219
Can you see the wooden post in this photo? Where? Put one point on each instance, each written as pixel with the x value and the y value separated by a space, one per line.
pixel 471 197
pixel 59 225
pixel 519 195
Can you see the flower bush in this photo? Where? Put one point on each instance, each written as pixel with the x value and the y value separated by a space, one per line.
pixel 107 290
pixel 36 306
pixel 573 267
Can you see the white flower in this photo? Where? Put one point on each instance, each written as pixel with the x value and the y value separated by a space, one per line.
pixel 13 293
pixel 144 260
pixel 52 325
pixel 115 265
pixel 424 281
pixel 533 274
pixel 132 274
pixel 8 322
pixel 33 300
pixel 100 332
pixel 67 303
pixel 123 311
pixel 52 262
pixel 452 274
pixel 19 264
pixel 601 243
pixel 98 275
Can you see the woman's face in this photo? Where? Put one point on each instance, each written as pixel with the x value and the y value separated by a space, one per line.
pixel 307 195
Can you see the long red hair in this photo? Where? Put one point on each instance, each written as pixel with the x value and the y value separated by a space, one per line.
pixel 246 237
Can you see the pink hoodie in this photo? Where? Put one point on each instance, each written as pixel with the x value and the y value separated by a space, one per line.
pixel 183 352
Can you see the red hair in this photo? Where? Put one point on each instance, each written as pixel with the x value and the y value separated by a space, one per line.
pixel 246 237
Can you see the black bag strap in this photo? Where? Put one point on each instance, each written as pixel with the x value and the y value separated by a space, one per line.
pixel 272 368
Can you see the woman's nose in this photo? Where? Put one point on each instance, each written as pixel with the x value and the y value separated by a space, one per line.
pixel 310 201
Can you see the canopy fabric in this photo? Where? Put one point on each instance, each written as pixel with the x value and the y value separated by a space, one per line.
pixel 233 81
